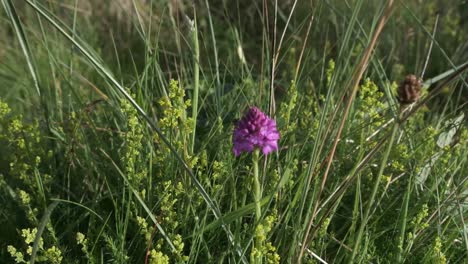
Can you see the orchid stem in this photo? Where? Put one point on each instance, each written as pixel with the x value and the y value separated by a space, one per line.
pixel 257 187
pixel 256 256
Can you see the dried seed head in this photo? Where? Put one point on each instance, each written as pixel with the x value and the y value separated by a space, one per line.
pixel 409 90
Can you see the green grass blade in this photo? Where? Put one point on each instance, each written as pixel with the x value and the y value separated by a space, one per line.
pixel 18 28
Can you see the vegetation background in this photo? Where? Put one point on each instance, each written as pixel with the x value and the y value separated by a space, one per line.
pixel 116 120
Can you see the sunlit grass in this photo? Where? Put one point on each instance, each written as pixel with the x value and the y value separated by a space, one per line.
pixel 116 128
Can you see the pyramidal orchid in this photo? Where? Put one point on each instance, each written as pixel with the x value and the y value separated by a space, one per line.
pixel 255 130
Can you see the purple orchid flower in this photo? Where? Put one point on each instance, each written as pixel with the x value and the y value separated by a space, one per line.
pixel 255 130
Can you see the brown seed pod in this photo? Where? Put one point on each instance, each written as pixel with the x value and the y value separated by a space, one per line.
pixel 409 90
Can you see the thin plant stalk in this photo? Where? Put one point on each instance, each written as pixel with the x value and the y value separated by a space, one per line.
pixel 402 230
pixel 196 80
pixel 374 193
pixel 257 187
pixel 257 258
pixel 403 220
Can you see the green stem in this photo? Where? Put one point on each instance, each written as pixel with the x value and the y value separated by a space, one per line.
pixel 257 188
pixel 403 221
pixel 401 240
pixel 374 193
pixel 257 257
pixel 196 84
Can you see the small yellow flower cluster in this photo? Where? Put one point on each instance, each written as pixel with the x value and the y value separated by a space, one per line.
pixel 307 121
pixel 438 255
pixel 371 101
pixel 417 222
pixel 220 171
pixel 53 255
pixel 286 125
pixel 157 257
pixel 174 115
pixel 24 197
pixel 330 70
pixel 170 198
pixel 135 168
pixel 271 256
pixel 16 255
pixel 4 109
pixel 174 124
pixel 169 219
pixel 25 154
pixel 50 255
pixel 144 230
pixel 323 228
pixel 25 203
pixel 179 249
pixel 83 242
pixel 262 249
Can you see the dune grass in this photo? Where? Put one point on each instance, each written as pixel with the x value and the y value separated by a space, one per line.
pixel 116 125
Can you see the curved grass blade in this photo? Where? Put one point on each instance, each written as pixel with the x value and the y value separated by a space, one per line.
pixel 23 41
pixel 79 205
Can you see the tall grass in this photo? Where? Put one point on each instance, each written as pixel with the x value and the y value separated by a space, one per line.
pixel 116 125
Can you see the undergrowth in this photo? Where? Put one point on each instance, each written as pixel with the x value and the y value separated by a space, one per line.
pixel 116 132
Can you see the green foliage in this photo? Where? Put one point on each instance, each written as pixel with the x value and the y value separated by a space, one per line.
pixel 124 197
pixel 133 146
pixel 263 249
pixel 50 255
